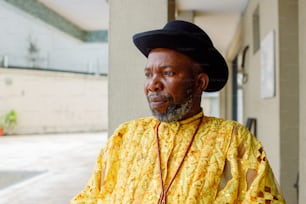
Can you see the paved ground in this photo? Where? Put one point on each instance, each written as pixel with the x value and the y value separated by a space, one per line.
pixel 46 169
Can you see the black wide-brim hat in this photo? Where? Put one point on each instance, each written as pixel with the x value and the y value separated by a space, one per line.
pixel 191 40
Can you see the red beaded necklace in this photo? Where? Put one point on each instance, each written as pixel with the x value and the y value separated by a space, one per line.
pixel 163 195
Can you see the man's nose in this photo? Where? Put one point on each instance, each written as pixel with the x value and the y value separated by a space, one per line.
pixel 155 84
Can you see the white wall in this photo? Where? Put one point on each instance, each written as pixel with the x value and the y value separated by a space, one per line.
pixel 277 117
pixel 57 49
pixel 254 105
pixel 51 102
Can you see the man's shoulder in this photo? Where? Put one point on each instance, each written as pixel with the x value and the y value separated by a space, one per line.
pixel 230 126
pixel 134 128
pixel 221 122
pixel 144 122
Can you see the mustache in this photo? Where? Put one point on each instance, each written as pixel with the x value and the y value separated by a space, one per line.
pixel 152 96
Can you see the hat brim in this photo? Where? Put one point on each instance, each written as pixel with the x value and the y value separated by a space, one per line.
pixel 201 51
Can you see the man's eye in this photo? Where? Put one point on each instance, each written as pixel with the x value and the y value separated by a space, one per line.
pixel 148 74
pixel 169 73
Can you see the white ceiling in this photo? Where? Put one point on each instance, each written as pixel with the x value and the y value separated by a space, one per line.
pixel 219 18
pixel 212 5
pixel 87 14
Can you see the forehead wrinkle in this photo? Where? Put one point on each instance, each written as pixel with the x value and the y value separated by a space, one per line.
pixel 161 58
pixel 161 66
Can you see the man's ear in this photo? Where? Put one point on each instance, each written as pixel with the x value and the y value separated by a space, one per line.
pixel 202 82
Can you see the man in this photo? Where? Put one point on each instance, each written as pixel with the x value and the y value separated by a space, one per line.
pixel 181 155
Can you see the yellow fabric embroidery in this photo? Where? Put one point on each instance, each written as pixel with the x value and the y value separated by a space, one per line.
pixel 215 171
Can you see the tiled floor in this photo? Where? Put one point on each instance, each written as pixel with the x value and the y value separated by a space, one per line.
pixel 53 168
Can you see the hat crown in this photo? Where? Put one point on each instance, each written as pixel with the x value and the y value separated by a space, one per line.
pixel 190 29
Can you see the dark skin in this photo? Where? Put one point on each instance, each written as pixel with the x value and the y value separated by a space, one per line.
pixel 175 74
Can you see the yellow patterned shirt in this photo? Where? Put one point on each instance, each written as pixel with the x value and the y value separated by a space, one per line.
pixel 226 165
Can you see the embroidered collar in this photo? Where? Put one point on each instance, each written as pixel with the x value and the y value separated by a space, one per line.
pixel 192 118
pixel 187 120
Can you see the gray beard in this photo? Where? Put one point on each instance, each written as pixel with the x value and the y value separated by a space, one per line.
pixel 174 112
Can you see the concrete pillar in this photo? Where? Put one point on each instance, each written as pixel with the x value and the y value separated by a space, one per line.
pixel 185 15
pixel 302 94
pixel 126 96
pixel 289 97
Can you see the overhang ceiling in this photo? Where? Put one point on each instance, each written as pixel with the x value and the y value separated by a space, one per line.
pixel 87 14
pixel 219 18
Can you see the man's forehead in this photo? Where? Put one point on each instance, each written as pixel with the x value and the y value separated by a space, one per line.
pixel 164 58
pixel 168 55
pixel 166 50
